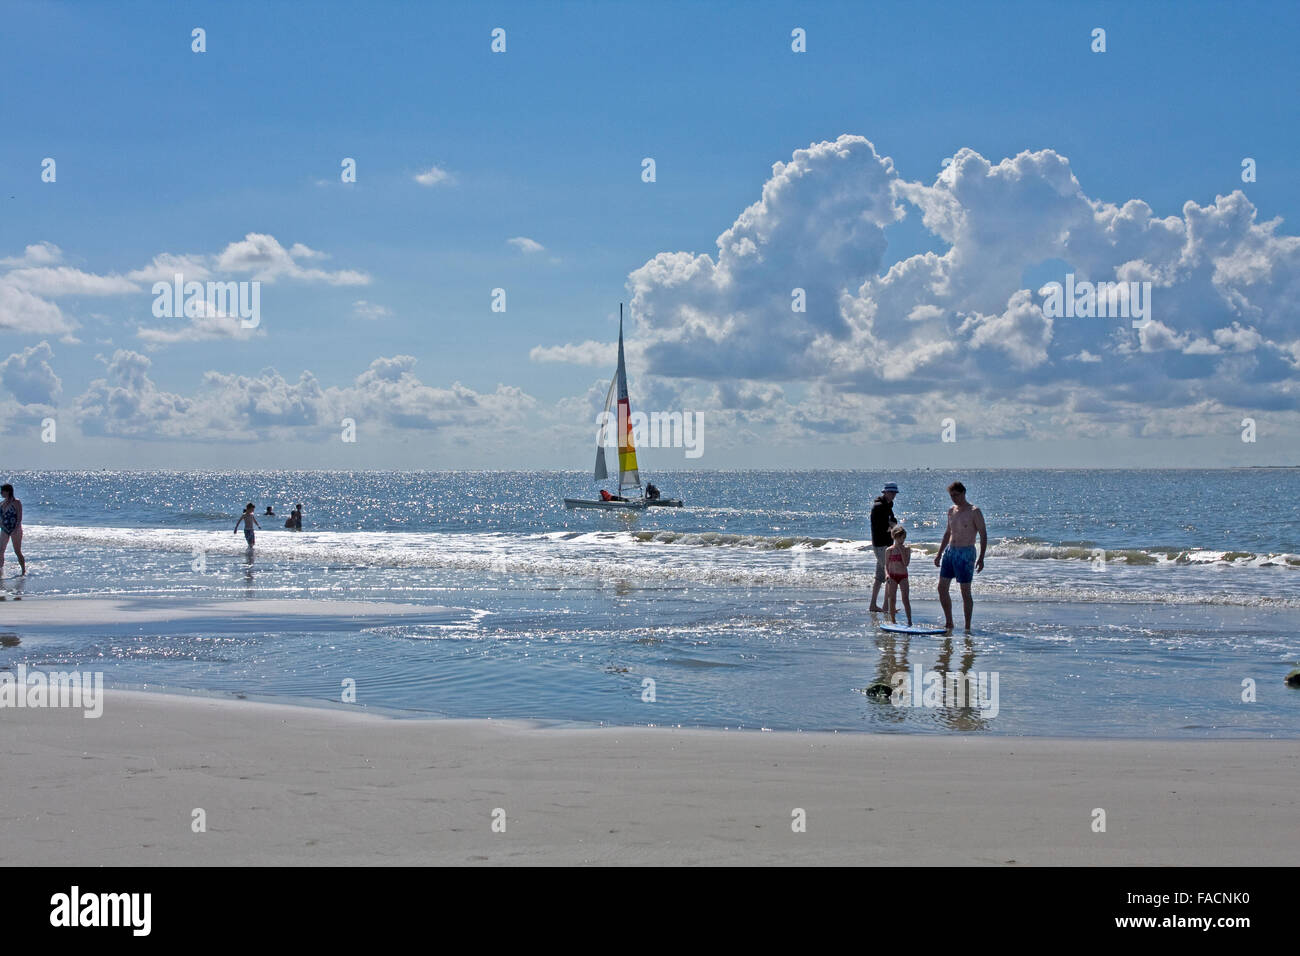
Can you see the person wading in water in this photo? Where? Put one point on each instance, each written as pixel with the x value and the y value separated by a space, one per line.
pixel 11 526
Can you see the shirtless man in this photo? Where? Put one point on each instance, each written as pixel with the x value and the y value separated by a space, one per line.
pixel 956 557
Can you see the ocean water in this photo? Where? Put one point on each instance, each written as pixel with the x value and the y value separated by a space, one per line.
pixel 1113 603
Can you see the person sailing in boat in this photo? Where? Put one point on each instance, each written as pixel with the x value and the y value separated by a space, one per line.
pixel 651 492
pixel 606 496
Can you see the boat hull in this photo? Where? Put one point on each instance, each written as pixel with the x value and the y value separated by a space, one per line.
pixel 637 504
pixel 572 503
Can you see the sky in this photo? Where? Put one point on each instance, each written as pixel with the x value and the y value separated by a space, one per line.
pixel 837 258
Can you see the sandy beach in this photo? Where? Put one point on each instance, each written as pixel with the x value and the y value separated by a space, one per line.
pixel 282 784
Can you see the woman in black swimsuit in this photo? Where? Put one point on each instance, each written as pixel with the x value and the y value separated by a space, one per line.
pixel 11 526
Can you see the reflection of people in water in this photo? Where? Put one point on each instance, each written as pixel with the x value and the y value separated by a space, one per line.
pixel 606 496
pixel 893 660
pixel 651 492
pixel 896 673
pixel 966 715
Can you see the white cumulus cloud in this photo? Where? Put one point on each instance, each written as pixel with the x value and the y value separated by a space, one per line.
pixel 961 329
pixel 434 176
pixel 30 378
pixel 265 259
pixel 369 310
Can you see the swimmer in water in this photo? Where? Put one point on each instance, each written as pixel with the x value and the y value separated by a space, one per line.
pixel 247 519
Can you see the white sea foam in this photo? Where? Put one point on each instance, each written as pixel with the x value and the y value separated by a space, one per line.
pixel 711 559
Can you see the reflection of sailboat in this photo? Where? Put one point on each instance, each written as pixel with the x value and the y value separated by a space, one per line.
pixel 629 477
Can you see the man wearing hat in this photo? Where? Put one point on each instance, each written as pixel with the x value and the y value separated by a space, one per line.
pixel 882 522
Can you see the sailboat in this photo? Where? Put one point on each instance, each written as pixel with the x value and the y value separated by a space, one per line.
pixel 629 477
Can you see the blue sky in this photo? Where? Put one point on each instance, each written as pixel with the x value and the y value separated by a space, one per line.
pixel 163 151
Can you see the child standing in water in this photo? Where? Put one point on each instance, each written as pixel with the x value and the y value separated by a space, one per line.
pixel 248 519
pixel 897 558
pixel 11 526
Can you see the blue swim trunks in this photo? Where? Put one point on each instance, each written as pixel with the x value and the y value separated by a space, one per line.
pixel 958 563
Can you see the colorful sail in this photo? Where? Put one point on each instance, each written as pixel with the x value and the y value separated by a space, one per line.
pixel 628 476
pixel 616 431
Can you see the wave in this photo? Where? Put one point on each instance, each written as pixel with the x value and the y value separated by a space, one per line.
pixel 1029 549
pixel 671 559
pixel 1032 550
pixel 722 539
pixel 1025 548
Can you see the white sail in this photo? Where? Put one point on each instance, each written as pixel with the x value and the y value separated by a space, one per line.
pixel 602 438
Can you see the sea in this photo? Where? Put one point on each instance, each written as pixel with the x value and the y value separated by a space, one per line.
pixel 1114 603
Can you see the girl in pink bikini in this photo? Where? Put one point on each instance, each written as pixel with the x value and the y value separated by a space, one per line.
pixel 897 558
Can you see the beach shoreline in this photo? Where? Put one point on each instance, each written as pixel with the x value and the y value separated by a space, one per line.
pixel 286 784
pixel 450 660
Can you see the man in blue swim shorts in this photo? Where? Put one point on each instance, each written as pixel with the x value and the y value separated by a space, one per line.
pixel 956 557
